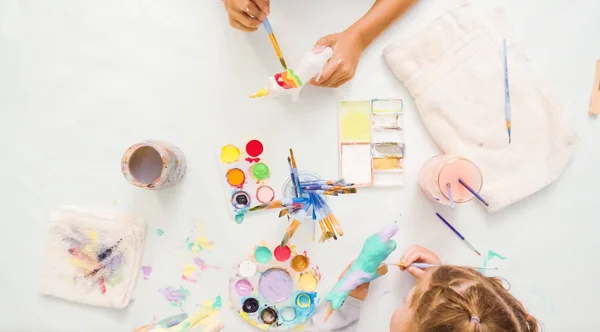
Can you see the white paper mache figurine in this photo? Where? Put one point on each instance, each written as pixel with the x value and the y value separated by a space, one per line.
pixel 291 81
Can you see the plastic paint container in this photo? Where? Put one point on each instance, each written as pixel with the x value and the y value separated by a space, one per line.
pixel 153 165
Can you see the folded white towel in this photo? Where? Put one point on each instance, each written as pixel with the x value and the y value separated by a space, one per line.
pixel 454 69
pixel 92 257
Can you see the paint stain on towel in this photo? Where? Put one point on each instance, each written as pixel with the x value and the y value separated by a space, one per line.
pixel 98 262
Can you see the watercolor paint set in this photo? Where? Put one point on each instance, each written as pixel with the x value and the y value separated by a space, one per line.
pixel 246 176
pixel 276 288
pixel 371 138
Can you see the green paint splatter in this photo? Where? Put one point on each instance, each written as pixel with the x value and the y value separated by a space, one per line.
pixel 190 245
pixel 491 254
pixel 239 218
pixel 263 255
pixel 260 171
pixel 218 302
pixel 185 327
pixel 160 232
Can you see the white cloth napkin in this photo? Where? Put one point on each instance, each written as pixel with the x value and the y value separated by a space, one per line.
pixel 454 69
pixel 92 257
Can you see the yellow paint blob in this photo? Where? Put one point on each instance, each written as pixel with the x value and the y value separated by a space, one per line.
pixel 308 281
pixel 188 270
pixel 355 121
pixel 230 153
pixel 261 93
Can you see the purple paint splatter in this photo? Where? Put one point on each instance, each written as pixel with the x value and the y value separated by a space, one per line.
pixel 175 296
pixel 147 270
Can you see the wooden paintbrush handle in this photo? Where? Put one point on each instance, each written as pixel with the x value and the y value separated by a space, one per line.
pixel 595 98
pixel 336 224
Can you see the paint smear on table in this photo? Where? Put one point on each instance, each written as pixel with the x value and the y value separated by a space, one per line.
pixel 203 316
pixel 201 243
pixel 160 232
pixel 491 255
pixel 98 262
pixel 147 271
pixel 176 297
pixel 203 266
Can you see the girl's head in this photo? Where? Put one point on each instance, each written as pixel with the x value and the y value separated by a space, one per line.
pixel 452 298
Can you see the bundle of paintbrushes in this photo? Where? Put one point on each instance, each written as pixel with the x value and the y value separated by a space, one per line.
pixel 307 195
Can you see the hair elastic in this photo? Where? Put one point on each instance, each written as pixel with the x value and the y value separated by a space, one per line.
pixel 475 319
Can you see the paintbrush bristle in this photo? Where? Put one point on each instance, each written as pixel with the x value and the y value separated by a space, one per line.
pixel 283 212
pixel 258 207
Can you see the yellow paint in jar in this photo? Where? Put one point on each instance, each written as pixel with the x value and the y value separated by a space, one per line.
pixel 229 154
pixel 308 281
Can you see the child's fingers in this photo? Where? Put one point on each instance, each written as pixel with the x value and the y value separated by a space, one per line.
pixel 246 20
pixel 240 26
pixel 263 5
pixel 328 72
pixel 250 8
pixel 416 272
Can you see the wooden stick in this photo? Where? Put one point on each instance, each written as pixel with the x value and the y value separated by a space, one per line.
pixel 595 98
pixel 329 311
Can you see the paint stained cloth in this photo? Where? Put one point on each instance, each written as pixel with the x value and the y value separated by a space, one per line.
pixel 92 257
pixel 453 68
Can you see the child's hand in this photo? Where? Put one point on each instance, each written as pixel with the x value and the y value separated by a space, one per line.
pixel 417 254
pixel 342 65
pixel 362 291
pixel 247 15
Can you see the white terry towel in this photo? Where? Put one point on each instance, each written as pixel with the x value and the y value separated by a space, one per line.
pixel 92 257
pixel 454 69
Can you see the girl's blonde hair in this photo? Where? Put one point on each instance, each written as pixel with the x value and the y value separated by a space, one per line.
pixel 462 299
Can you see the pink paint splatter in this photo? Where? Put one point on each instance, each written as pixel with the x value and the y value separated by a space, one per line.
pixel 147 271
pixel 202 264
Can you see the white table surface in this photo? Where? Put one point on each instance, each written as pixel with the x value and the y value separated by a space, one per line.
pixel 80 81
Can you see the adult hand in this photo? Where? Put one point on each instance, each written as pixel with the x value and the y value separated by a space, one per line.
pixel 247 15
pixel 347 49
pixel 418 254
pixel 362 291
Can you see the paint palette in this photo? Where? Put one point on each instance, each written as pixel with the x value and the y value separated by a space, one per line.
pixel 372 142
pixel 276 289
pixel 246 176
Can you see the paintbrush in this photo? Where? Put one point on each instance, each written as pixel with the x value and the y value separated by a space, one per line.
pixel 293 179
pixel 507 114
pixel 333 192
pixel 329 213
pixel 325 234
pixel 322 192
pixel 427 265
pixel 288 202
pixel 449 188
pixel 293 227
pixel 325 182
pixel 469 244
pixel 295 171
pixel 324 187
pixel 267 26
pixel 322 215
pixel 473 192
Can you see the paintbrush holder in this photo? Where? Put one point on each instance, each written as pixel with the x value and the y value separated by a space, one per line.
pixel 288 191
